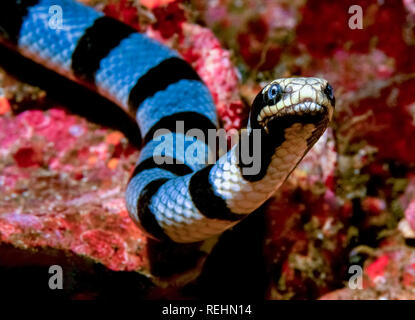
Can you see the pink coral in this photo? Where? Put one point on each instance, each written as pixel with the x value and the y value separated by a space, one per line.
pixel 410 215
pixel 124 11
pixel 214 65
pixel 169 19
pixel 410 6
pixel 377 268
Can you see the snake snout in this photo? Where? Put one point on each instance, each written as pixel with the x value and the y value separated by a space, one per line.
pixel 307 111
pixel 285 102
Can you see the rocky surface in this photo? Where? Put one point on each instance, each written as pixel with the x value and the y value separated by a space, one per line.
pixel 63 170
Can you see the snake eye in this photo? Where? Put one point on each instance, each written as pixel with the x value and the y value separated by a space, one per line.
pixel 328 91
pixel 274 93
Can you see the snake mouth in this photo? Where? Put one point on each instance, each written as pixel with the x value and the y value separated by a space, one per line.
pixel 303 112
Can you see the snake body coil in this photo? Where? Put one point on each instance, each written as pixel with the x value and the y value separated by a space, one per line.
pixel 182 198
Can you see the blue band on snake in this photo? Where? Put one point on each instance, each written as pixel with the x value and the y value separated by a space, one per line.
pixel 173 194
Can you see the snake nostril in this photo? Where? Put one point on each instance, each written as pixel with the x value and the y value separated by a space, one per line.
pixel 307 100
pixel 288 89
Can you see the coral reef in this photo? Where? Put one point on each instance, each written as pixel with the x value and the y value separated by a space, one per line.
pixel 351 202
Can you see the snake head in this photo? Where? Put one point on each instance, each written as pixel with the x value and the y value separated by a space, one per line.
pixel 285 102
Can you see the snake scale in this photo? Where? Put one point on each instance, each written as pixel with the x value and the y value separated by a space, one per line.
pixel 185 197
